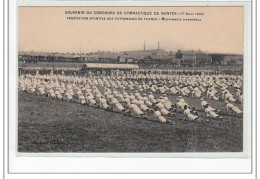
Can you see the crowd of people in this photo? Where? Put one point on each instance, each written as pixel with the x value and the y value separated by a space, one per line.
pixel 143 96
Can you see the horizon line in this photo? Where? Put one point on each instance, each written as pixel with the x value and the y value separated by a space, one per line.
pixel 115 51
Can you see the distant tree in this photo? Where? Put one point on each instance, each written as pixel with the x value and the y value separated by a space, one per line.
pixel 178 55
pixel 118 59
pixel 233 61
pixel 216 59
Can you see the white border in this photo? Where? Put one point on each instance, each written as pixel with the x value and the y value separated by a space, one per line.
pixel 101 162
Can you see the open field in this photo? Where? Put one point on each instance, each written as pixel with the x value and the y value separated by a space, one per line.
pixel 49 125
pixel 79 65
pixel 51 64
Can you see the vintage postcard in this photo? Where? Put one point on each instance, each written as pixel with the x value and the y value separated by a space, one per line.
pixel 133 81
pixel 130 79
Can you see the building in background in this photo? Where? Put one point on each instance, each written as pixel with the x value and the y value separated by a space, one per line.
pixel 140 55
pixel 151 57
pixel 192 58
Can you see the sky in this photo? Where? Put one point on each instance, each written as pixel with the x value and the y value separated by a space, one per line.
pixel 47 29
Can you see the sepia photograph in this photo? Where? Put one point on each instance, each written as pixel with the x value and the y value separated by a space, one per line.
pixel 130 79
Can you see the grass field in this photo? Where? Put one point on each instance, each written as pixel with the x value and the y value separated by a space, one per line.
pixel 79 65
pixel 48 125
pixel 51 64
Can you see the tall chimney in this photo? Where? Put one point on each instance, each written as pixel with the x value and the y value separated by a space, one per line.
pixel 144 45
